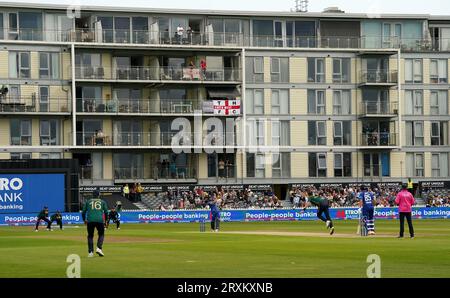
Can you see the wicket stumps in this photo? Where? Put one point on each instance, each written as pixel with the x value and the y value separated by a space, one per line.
pixel 202 226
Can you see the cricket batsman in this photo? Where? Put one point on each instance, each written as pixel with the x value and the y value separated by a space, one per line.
pixel 43 215
pixel 94 215
pixel 324 208
pixel 215 215
pixel 367 203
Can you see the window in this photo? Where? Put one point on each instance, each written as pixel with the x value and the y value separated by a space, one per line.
pixel 413 71
pixel 49 65
pixel 342 104
pixel 438 71
pixel 20 132
pixel 279 70
pixel 317 164
pixel 415 164
pixel 14 94
pixel 30 25
pixel 439 133
pixel 439 165
pixel 342 133
pixel 256 132
pixel 15 156
pixel 255 165
pixel 342 165
pixel 439 102
pixel 1 26
pixel 317 133
pixel 316 70
pixel 414 133
pixel 281 165
pixel 49 133
pixel 316 102
pixel 280 133
pixel 19 65
pixel 255 70
pixel 341 70
pixel 414 102
pixel 255 101
pixel 280 102
pixel 50 156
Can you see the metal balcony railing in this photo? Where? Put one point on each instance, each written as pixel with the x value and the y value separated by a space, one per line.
pixel 373 76
pixel 169 171
pixel 370 108
pixel 157 139
pixel 143 73
pixel 32 104
pixel 379 139
pixel 223 39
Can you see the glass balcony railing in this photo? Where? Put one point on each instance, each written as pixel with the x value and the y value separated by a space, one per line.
pixel 375 108
pixel 223 39
pixel 379 139
pixel 12 104
pixel 156 139
pixel 142 73
pixel 170 171
pixel 373 76
pixel 144 106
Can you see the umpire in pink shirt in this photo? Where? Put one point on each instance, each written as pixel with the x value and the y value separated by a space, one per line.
pixel 405 200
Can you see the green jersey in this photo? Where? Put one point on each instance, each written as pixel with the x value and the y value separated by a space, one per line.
pixel 316 200
pixel 43 213
pixel 96 209
pixel 55 217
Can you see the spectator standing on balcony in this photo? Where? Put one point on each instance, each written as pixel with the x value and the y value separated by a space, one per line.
pixel 189 32
pixel 133 193
pixel 203 68
pixel 221 168
pixel 126 192
pixel 180 33
pixel 410 186
pixel 139 191
pixel 99 138
pixel 405 200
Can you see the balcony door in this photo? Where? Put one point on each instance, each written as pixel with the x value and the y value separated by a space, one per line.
pixel 376 164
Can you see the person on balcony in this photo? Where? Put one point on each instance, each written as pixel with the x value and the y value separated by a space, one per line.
pixel 203 68
pixel 126 191
pixel 180 33
pixel 221 169
pixel 100 138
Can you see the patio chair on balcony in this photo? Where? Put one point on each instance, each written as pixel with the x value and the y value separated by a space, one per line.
pixel 32 107
pixel 100 73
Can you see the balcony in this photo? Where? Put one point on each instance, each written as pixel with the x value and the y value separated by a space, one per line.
pixel 156 140
pixel 168 172
pixel 381 78
pixel 20 105
pixel 378 109
pixel 146 106
pixel 157 74
pixel 224 39
pixel 378 139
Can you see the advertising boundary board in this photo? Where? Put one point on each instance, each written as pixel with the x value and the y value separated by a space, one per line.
pixel 251 215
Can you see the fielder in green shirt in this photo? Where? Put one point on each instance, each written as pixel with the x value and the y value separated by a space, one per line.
pixel 324 208
pixel 95 212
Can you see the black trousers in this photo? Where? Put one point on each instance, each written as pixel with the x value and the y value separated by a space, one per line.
pixel 402 223
pixel 58 222
pixel 324 209
pixel 91 227
pixel 49 223
pixel 114 220
pixel 215 222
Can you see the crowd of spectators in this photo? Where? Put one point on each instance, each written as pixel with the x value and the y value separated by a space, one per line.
pixel 438 200
pixel 344 196
pixel 228 199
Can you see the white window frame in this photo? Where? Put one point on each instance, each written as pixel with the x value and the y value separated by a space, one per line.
pixel 436 76
pixel 319 157
pixel 319 136
pixel 320 74
pixel 418 102
pixel 341 136
pixel 255 69
pixel 321 106
pixel 419 171
pixel 276 133
pixel 416 136
pixel 275 71
pixel 341 157
pixel 260 169
pixel 436 169
pixel 438 136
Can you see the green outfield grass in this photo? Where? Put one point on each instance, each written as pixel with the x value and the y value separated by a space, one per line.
pixel 179 250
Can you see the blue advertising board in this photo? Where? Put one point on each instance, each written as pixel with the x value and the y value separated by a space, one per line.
pixel 26 193
pixel 185 216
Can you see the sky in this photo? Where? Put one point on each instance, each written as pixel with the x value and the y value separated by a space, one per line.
pixel 436 7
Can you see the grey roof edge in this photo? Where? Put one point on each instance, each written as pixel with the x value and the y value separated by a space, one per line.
pixel 50 6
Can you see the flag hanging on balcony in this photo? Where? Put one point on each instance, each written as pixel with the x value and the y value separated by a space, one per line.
pixel 227 107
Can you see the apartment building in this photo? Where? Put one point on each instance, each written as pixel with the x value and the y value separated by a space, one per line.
pixel 257 97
